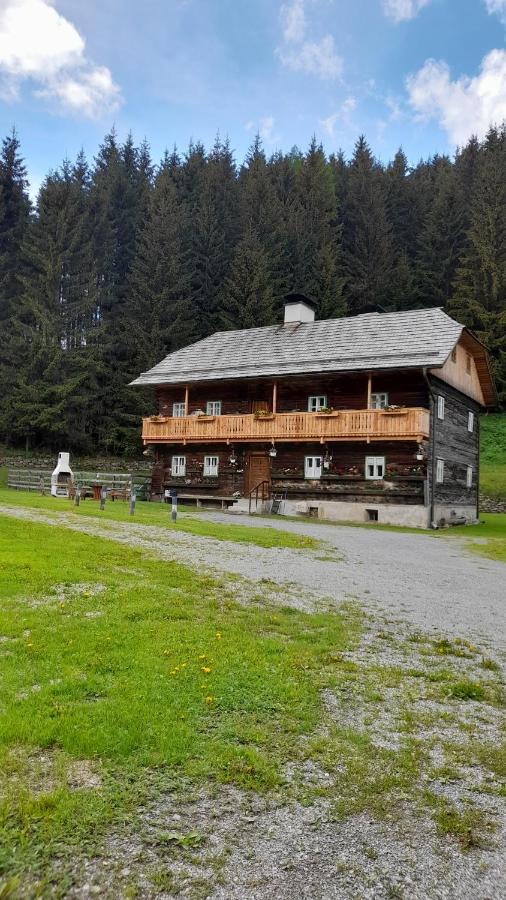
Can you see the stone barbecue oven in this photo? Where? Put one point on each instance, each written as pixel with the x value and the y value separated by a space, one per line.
pixel 62 476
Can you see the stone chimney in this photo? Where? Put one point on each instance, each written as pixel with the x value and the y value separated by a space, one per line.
pixel 299 309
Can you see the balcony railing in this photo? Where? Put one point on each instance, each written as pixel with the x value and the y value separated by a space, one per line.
pixel 346 425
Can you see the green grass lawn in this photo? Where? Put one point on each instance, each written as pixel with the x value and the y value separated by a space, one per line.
pixel 126 678
pixel 159 514
pixel 493 455
pixel 488 538
pixel 146 672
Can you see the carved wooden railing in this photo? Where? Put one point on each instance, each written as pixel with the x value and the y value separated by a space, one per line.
pixel 411 423
pixel 261 492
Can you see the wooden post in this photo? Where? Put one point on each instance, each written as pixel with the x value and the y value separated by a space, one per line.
pixel 369 394
pixel 186 399
pixel 274 397
pixel 77 497
pixel 132 504
pixel 173 513
pixel 103 495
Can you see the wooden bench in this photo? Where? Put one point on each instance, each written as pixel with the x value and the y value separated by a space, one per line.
pixel 207 499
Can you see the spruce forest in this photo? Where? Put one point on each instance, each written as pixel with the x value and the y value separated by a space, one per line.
pixel 122 261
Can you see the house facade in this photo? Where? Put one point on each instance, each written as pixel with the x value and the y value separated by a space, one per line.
pixel 369 418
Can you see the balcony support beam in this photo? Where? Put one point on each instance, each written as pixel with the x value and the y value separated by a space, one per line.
pixel 369 390
pixel 275 398
pixel 186 399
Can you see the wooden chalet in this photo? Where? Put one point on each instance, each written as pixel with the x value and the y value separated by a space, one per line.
pixel 369 418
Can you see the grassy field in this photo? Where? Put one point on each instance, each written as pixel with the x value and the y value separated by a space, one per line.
pixel 126 678
pixel 159 514
pixel 493 455
pixel 130 672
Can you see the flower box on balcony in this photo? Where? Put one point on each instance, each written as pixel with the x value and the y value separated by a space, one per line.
pixel 205 418
pixel 395 412
pixel 332 414
pixel 158 418
pixel 264 417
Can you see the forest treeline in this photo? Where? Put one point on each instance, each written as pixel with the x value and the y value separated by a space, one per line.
pixel 121 261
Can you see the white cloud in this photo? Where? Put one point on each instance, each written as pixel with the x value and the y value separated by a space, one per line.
pixel 266 126
pixel 293 20
pixel 315 58
pixel 40 45
pixel 497 7
pixel 300 55
pixel 463 107
pixel 402 10
pixel 342 115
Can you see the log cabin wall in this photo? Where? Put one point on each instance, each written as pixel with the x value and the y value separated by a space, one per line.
pixel 404 388
pixel 343 480
pixel 457 446
pixel 229 480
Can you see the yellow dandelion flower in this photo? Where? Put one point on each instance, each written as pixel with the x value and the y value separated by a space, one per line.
pixel 202 656
pixel 86 593
pixel 218 635
pixel 183 665
pixel 173 672
pixel 166 652
pixel 205 669
pixel 29 645
pixel 210 699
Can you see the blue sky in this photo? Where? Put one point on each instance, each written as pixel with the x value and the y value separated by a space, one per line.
pixel 424 74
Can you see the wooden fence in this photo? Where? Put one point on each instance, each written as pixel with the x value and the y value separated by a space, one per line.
pixel 40 480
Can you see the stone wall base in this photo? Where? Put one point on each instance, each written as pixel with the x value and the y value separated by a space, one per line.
pixel 446 512
pixel 410 516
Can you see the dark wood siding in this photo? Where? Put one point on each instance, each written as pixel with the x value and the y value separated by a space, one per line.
pixel 343 480
pixel 404 388
pixel 456 445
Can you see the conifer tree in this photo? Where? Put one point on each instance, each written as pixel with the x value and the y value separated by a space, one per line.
pixel 14 225
pixel 367 233
pixel 248 300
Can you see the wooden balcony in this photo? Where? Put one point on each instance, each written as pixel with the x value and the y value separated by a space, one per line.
pixel 347 425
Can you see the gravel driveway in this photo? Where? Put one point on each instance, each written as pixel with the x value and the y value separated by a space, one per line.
pixel 432 582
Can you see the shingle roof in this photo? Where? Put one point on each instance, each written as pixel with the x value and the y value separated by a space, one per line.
pixel 415 338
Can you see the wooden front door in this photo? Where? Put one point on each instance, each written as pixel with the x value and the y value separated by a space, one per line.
pixel 258 468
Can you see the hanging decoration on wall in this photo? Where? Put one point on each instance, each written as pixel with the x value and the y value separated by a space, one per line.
pixel 273 452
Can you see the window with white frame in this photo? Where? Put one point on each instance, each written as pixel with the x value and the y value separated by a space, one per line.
pixel 379 401
pixel 440 407
pixel 178 410
pixel 470 421
pixel 213 408
pixel 469 476
pixel 440 471
pixel 313 467
pixel 374 467
pixel 316 403
pixel 211 465
pixel 178 467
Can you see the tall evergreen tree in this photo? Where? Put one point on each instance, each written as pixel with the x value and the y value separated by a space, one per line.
pixel 14 224
pixel 368 240
pixel 479 291
pixel 248 299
